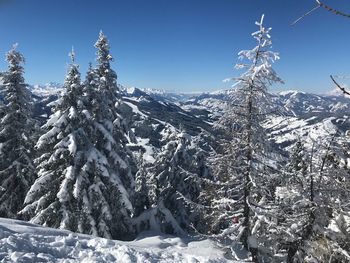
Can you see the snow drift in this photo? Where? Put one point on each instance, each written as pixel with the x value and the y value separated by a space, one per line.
pixel 25 242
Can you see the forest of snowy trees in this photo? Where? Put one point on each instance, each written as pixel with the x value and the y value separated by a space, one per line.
pixel 77 171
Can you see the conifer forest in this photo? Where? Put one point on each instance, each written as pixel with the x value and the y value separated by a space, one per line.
pixel 92 170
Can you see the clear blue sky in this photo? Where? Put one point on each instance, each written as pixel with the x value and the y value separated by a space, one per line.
pixel 178 45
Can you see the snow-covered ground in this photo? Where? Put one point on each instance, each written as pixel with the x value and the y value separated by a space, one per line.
pixel 25 242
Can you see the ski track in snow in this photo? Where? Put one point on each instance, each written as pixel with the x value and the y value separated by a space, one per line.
pixel 25 242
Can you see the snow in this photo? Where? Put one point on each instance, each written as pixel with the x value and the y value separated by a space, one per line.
pixel 25 242
pixel 72 146
pixel 288 92
pixel 54 118
pixel 47 90
pixel 148 155
pixel 288 129
pixel 130 90
pixel 42 180
pixel 63 195
pixel 135 109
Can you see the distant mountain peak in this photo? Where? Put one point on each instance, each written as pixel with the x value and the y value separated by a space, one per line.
pixel 289 92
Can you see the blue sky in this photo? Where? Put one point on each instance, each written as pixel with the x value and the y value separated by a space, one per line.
pixel 177 45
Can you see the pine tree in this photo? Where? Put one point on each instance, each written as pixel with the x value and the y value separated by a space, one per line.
pixel 77 188
pixel 109 122
pixel 49 202
pixel 174 187
pixel 106 79
pixel 245 162
pixel 143 188
pixel 17 171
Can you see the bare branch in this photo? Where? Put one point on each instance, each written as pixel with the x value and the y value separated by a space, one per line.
pixel 331 9
pixel 304 15
pixel 340 87
pixel 321 4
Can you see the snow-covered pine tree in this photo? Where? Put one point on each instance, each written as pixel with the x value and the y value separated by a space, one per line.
pixel 112 134
pixel 143 188
pixel 50 200
pixel 111 178
pixel 173 188
pixel 298 165
pixel 77 188
pixel 17 171
pixel 245 166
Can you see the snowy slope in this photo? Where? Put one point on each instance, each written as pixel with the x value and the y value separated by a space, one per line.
pixel 150 119
pixel 284 131
pixel 296 114
pixel 291 103
pixel 151 115
pixel 24 242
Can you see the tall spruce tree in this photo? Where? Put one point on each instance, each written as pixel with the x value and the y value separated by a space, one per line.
pixel 17 171
pixel 79 185
pixel 109 122
pixel 50 200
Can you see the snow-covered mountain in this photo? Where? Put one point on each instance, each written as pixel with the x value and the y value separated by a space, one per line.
pixel 295 114
pixel 168 96
pixel 302 104
pixel 45 90
pixel 291 103
pixel 154 114
pixel 151 120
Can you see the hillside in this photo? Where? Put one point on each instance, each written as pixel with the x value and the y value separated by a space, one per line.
pixel 153 114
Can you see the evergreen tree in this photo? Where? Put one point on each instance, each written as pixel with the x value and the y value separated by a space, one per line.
pixel 245 164
pixel 49 201
pixel 109 122
pixel 143 188
pixel 174 186
pixel 298 165
pixel 79 186
pixel 17 171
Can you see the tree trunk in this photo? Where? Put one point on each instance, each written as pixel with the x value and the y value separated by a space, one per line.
pixel 249 155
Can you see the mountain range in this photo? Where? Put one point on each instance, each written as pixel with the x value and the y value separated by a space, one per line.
pixel 154 114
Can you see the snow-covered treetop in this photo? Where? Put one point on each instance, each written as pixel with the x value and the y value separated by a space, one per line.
pixel 73 79
pixel 259 71
pixel 107 77
pixel 14 83
pixel 102 45
pixel 72 55
pixel 15 59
